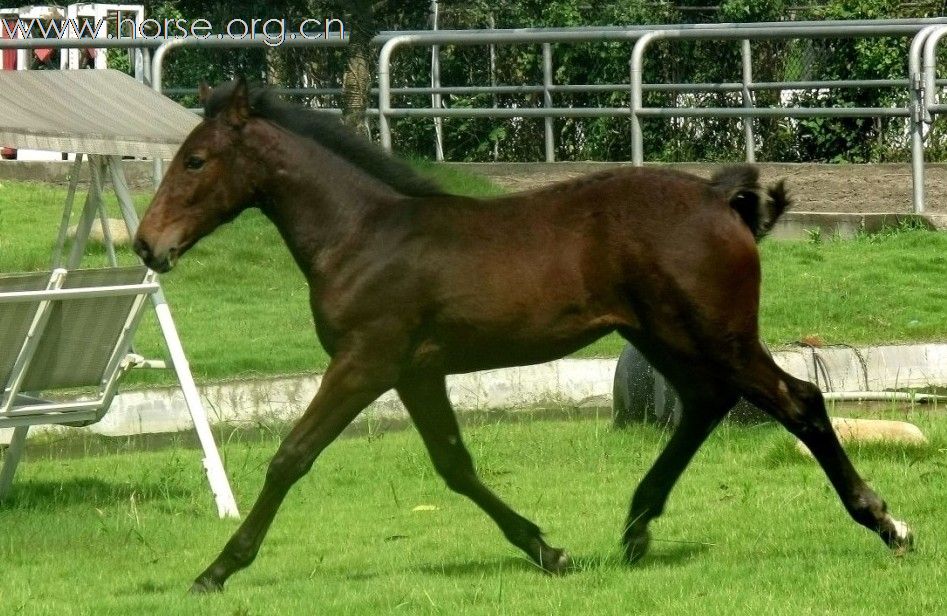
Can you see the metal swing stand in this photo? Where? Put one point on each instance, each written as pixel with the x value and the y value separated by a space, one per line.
pixel 76 326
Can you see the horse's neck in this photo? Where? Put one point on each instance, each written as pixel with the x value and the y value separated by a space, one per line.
pixel 317 200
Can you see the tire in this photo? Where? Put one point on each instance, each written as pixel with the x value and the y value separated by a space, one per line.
pixel 642 395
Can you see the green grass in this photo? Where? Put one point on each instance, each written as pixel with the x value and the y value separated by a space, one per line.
pixel 242 306
pixel 752 528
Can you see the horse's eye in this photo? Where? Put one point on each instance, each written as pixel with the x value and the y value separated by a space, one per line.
pixel 194 162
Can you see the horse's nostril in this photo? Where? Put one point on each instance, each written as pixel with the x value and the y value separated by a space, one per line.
pixel 142 249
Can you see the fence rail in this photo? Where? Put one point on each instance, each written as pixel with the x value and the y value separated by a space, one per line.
pixel 921 83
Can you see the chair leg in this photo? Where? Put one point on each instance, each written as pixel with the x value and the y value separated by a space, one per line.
pixel 11 459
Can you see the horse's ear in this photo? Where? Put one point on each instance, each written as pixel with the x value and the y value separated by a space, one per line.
pixel 203 92
pixel 238 108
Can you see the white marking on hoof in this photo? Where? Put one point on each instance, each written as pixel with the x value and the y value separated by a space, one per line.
pixel 900 528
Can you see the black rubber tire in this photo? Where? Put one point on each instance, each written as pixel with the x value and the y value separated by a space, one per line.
pixel 638 391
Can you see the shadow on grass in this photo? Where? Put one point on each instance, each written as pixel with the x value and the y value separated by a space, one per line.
pixel 666 553
pixel 38 495
pixel 477 567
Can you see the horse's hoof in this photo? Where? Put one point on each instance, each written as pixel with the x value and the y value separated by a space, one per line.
pixel 203 586
pixel 555 561
pixel 636 546
pixel 899 537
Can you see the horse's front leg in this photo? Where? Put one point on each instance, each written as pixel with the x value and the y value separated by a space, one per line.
pixel 349 385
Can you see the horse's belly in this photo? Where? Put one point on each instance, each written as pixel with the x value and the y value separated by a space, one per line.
pixel 484 345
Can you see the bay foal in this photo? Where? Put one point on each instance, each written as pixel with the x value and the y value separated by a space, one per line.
pixel 409 284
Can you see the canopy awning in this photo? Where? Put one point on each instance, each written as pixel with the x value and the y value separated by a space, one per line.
pixel 90 111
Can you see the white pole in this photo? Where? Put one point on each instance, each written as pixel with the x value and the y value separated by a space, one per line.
pixel 219 484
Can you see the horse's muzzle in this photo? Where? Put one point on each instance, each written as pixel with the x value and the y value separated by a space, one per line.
pixel 159 264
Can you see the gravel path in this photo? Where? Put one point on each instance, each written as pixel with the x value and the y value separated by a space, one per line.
pixel 814 188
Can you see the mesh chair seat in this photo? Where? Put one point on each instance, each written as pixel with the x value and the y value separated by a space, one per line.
pixel 63 331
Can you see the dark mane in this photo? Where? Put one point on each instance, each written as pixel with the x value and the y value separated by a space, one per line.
pixel 326 129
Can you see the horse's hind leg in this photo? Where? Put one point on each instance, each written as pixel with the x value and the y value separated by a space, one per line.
pixel 425 397
pixel 799 406
pixel 705 404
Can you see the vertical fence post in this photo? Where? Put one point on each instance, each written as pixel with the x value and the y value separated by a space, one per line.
pixel 436 83
pixel 927 95
pixel 547 102
pixel 918 116
pixel 491 22
pixel 384 91
pixel 436 103
pixel 635 68
pixel 747 58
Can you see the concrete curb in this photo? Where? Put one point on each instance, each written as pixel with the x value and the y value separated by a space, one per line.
pixel 799 225
pixel 569 382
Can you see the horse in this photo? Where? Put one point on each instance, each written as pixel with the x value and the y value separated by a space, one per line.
pixel 409 283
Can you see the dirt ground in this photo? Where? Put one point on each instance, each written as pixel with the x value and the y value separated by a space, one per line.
pixel 814 188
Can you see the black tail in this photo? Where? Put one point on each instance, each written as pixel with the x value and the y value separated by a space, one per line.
pixel 759 210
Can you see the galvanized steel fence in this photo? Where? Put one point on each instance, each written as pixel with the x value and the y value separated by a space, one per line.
pixel 921 83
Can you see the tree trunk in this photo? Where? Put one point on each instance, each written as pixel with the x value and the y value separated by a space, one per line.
pixel 357 80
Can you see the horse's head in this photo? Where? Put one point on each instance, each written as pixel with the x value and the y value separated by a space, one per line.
pixel 210 180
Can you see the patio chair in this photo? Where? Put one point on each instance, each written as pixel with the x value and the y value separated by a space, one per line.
pixel 60 333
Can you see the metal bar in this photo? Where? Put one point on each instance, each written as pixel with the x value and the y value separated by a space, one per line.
pixel 754 32
pixel 779 112
pixel 508 112
pixel 917 117
pixel 384 91
pixel 493 82
pixel 594 88
pixel 50 417
pixel 818 29
pixel 123 343
pixel 746 58
pixel 126 203
pixel 157 61
pixel 635 105
pixel 107 235
pixel 670 112
pixel 89 210
pixel 929 68
pixel 216 475
pixel 548 128
pixel 67 212
pixel 63 408
pixel 658 87
pixel 436 103
pixel 436 83
pixel 58 294
pixel 11 459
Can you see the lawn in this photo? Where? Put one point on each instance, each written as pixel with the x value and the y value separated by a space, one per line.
pixel 753 527
pixel 242 306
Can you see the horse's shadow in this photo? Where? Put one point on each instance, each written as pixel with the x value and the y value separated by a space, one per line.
pixel 671 555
